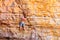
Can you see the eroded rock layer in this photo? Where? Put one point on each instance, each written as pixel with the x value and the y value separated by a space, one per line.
pixel 44 15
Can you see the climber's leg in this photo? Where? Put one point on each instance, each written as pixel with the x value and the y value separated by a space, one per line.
pixel 23 26
pixel 20 25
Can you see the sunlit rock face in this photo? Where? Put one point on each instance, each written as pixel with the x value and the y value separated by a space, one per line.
pixel 44 15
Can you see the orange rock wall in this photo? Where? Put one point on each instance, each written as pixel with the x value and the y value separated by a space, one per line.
pixel 43 14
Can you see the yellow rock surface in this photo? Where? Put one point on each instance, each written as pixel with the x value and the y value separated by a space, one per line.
pixel 44 15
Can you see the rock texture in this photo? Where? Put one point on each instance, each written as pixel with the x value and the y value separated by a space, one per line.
pixel 42 19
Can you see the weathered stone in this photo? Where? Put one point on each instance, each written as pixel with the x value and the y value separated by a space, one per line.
pixel 44 15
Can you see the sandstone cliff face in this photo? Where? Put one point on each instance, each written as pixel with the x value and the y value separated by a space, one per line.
pixel 43 15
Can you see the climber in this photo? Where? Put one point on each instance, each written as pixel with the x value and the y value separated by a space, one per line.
pixel 22 23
